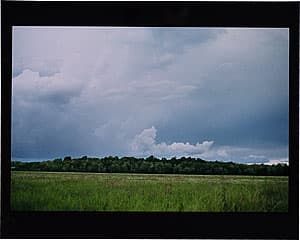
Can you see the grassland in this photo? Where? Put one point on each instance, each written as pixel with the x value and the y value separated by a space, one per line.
pixel 48 191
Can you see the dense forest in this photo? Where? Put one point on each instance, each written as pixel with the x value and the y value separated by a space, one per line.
pixel 151 165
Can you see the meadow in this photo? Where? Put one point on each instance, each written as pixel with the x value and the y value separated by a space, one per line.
pixel 67 191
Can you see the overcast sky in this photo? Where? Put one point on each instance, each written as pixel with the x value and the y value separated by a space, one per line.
pixel 214 93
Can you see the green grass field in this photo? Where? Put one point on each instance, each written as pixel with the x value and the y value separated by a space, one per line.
pixel 45 191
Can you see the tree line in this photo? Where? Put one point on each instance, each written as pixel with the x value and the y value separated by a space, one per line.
pixel 151 165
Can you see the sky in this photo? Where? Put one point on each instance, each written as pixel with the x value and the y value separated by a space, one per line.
pixel 211 93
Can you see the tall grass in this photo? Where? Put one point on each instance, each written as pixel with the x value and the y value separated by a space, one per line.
pixel 44 191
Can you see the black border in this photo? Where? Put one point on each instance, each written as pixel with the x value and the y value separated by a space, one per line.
pixel 150 225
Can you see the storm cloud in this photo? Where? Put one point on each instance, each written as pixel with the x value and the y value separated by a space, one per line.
pixel 218 94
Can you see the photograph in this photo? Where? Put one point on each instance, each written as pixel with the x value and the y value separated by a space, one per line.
pixel 150 119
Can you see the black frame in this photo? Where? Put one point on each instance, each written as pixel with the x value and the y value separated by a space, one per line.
pixel 157 224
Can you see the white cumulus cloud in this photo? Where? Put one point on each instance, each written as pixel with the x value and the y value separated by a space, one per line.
pixel 277 161
pixel 144 144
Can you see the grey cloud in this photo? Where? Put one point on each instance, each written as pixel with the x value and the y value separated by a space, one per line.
pixel 96 89
pixel 31 87
pixel 177 39
pixel 43 67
